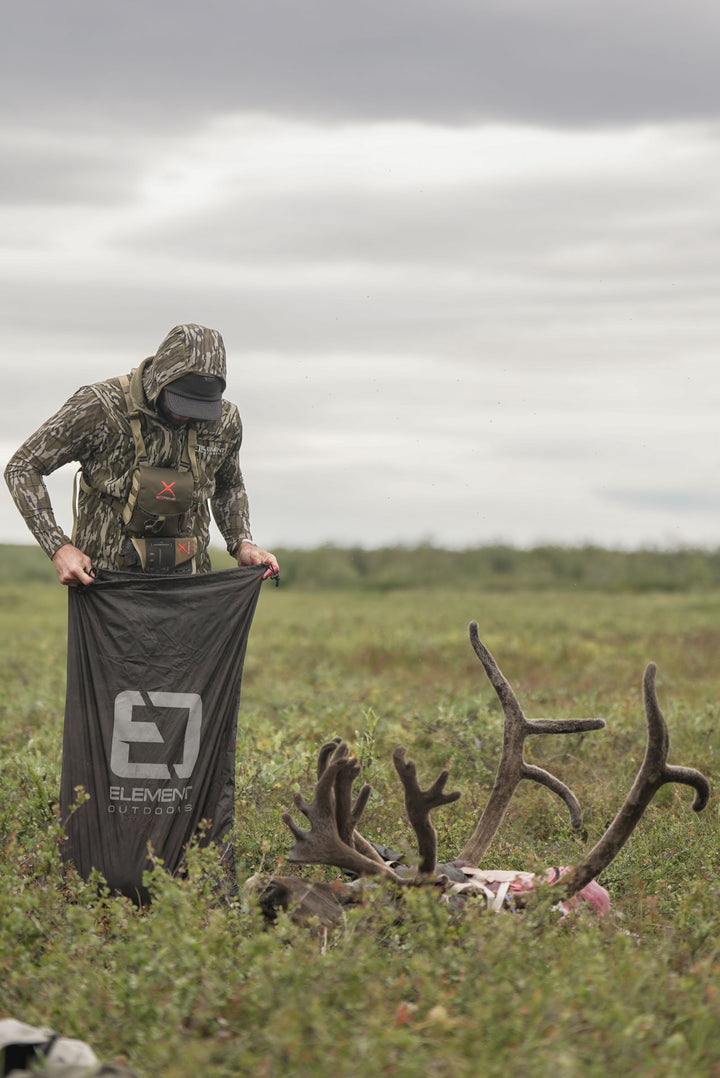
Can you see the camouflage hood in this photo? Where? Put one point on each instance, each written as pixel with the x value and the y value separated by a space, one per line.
pixel 187 349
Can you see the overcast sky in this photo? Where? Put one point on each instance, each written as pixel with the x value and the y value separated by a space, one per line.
pixel 464 254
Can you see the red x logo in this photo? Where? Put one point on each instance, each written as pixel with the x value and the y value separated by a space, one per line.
pixel 167 491
pixel 183 547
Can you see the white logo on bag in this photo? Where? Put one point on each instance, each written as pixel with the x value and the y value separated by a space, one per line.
pixel 127 733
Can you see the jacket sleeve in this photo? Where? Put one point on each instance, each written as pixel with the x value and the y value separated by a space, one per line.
pixel 230 502
pixel 71 434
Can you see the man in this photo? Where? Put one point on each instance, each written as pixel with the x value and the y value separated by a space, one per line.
pixel 155 448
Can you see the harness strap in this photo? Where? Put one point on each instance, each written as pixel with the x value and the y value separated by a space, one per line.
pixel 79 480
pixel 141 456
pixel 188 461
pixel 73 533
pixel 190 449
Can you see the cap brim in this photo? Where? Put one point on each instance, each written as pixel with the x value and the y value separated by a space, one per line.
pixel 192 407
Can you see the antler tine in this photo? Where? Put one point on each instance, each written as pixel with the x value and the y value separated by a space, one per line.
pixel 654 772
pixel 347 816
pixel 322 844
pixel 552 782
pixel 326 752
pixel 512 767
pixel 418 803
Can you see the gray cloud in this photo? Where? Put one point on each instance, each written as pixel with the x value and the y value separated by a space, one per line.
pixel 51 168
pixel 498 320
pixel 458 61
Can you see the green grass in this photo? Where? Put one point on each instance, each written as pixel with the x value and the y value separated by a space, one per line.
pixel 187 987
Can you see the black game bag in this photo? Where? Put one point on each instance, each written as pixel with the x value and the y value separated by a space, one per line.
pixel 153 686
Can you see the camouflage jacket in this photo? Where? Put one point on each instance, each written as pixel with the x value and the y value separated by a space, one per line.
pixel 93 428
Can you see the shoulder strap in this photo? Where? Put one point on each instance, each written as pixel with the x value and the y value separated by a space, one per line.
pixel 76 477
pixel 190 449
pixel 141 456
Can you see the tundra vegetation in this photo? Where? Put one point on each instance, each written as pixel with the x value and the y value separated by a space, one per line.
pixel 372 646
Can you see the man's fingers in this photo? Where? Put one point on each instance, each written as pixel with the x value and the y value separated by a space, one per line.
pixel 251 554
pixel 72 566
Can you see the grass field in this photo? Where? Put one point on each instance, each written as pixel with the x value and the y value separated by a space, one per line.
pixel 188 987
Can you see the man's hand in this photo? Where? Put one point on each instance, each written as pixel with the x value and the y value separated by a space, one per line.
pixel 72 566
pixel 251 554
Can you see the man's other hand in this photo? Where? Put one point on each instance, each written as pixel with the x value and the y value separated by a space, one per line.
pixel 72 566
pixel 252 554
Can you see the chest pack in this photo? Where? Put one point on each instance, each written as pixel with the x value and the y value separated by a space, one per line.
pixel 160 500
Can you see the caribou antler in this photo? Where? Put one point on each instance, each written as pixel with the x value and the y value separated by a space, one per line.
pixel 347 815
pixel 512 766
pixel 332 839
pixel 419 803
pixel 654 772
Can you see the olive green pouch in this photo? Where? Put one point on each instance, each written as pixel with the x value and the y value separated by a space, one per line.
pixel 159 502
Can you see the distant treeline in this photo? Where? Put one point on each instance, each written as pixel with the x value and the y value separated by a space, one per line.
pixel 493 568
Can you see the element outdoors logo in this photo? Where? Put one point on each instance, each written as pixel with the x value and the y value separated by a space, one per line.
pixel 127 733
